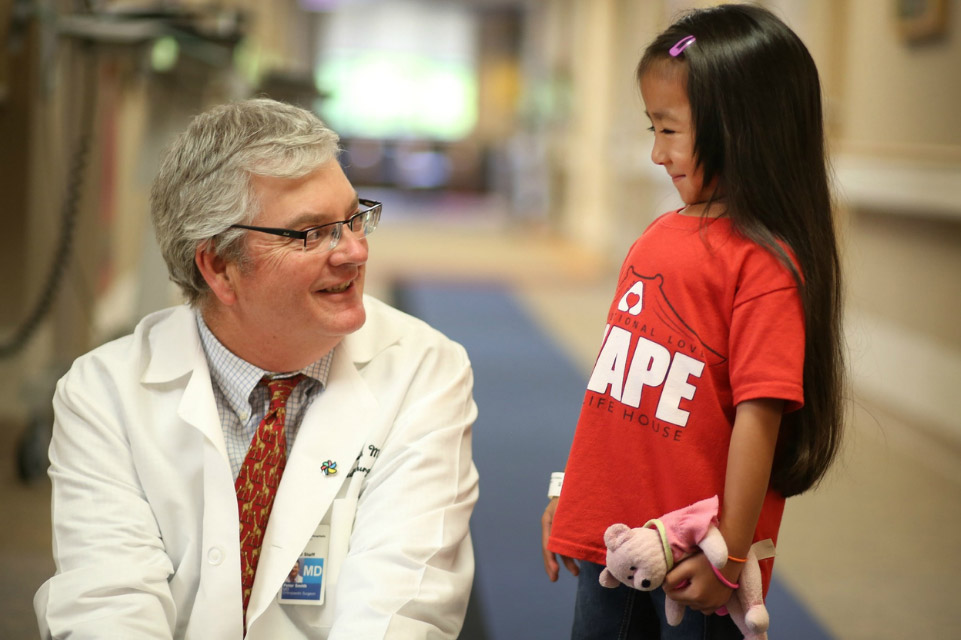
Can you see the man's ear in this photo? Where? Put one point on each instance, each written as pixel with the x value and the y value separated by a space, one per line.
pixel 215 271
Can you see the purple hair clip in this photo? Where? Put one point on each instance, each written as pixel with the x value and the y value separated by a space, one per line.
pixel 681 45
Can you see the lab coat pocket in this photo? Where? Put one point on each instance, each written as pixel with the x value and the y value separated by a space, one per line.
pixel 319 619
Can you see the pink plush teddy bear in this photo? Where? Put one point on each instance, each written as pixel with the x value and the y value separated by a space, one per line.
pixel 642 557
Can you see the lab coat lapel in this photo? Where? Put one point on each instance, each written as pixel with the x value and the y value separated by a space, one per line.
pixel 175 353
pixel 334 429
pixel 199 409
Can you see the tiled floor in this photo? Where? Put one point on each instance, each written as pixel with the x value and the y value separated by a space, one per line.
pixel 25 559
pixel 873 552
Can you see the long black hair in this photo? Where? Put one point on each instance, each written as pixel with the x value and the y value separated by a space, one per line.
pixel 758 126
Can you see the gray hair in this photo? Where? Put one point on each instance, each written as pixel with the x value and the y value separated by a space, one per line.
pixel 203 185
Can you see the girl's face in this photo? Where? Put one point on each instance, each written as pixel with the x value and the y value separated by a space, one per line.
pixel 667 107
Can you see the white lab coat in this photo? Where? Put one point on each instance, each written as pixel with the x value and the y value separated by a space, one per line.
pixel 145 521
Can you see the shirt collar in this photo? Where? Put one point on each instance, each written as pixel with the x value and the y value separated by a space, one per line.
pixel 237 378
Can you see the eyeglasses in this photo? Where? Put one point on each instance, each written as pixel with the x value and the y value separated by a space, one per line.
pixel 326 236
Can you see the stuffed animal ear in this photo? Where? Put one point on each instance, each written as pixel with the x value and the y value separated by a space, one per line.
pixel 608 580
pixel 616 535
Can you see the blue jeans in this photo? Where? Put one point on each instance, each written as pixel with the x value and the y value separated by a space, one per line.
pixel 623 613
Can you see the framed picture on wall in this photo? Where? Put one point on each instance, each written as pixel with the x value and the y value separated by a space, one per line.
pixel 921 19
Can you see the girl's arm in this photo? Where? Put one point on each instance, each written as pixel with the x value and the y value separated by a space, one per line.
pixel 749 460
pixel 550 559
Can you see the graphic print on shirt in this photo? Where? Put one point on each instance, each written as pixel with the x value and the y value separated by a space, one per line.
pixel 649 353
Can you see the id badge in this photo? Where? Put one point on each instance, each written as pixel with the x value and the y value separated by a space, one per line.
pixel 307 582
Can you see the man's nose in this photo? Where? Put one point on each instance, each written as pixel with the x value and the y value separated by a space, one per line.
pixel 351 248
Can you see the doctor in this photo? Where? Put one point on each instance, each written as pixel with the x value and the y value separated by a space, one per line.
pixel 166 444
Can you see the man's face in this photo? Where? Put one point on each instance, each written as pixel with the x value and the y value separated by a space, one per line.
pixel 294 305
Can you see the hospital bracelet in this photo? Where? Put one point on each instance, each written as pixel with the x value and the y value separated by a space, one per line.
pixel 554 488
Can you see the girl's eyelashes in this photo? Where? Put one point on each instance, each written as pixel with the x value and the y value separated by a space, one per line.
pixel 667 131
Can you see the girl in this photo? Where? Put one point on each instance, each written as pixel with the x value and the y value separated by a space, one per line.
pixel 720 370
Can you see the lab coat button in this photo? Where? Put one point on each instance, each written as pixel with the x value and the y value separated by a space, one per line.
pixel 215 556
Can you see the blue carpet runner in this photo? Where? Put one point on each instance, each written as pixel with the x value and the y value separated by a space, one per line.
pixel 528 393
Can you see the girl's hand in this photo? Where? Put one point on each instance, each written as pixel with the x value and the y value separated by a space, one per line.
pixel 550 560
pixel 693 583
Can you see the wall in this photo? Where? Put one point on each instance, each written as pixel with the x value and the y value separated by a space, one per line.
pixel 894 130
pixel 15 65
pixel 583 142
pixel 114 274
pixel 899 172
pixel 609 190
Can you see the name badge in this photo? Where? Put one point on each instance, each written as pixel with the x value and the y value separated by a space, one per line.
pixel 307 582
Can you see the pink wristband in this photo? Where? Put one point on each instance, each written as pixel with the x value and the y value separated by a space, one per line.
pixel 720 576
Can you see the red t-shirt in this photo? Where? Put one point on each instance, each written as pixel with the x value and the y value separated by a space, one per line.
pixel 702 320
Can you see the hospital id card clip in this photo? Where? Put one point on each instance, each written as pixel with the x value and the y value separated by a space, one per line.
pixel 306 582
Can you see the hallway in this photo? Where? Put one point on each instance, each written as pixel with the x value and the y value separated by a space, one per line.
pixel 541 107
pixel 864 552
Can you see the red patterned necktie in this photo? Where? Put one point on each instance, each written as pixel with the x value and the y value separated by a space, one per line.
pixel 259 477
